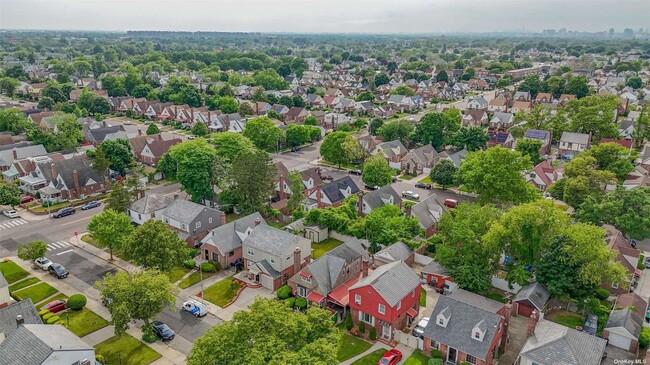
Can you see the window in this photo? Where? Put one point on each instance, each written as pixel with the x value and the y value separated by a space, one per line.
pixel 434 345
pixel 357 299
pixel 399 305
pixel 139 216
pixel 231 253
pixel 365 317
pixel 477 335
pixel 198 225
pixel 302 292
pixel 250 251
pixel 209 220
pixel 382 309
pixel 272 259
pixel 215 257
pixel 470 359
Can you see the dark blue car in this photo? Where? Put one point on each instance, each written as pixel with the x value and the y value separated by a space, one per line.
pixel 90 205
pixel 63 212
pixel 163 331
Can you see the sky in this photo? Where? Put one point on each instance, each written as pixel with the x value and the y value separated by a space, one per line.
pixel 332 16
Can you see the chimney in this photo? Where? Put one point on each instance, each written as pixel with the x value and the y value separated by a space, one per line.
pixel 319 203
pixel 139 132
pixel 15 152
pixel 19 320
pixel 364 268
pixel 360 203
pixel 53 170
pixel 175 111
pixel 175 196
pixel 75 176
pixel 227 122
pixel 141 193
pixel 532 323
pixel 296 260
pixel 223 219
pixel 257 222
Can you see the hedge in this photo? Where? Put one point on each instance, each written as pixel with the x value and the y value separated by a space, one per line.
pixel 47 316
pixel 601 293
pixel 190 264
pixel 644 339
pixel 284 292
pixel 436 354
pixel 53 320
pixel 207 267
pixel 77 302
pixel 372 333
pixel 362 327
pixel 290 302
pixel 43 312
pixel 301 303
pixel 348 322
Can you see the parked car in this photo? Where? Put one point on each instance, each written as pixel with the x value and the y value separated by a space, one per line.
pixel 90 205
pixel 423 186
pixel 418 331
pixel 295 148
pixel 163 331
pixel 54 306
pixel 328 178
pixel 26 199
pixel 43 263
pixel 355 172
pixel 410 195
pixel 63 212
pixel 10 213
pixel 391 357
pixel 191 136
pixel 58 271
pixel 368 187
pixel 127 122
pixel 195 307
pixel 450 203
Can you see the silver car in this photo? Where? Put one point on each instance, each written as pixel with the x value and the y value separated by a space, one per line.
pixel 43 263
pixel 418 331
pixel 410 195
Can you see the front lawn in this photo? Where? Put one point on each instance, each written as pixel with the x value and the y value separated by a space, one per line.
pixel 406 177
pixel 350 346
pixel 222 292
pixel 177 273
pixel 12 272
pixel 324 247
pixel 52 208
pixel 426 180
pixel 417 358
pixel 194 278
pixel 23 284
pixel 371 359
pixel 565 318
pixel 37 292
pixel 83 322
pixel 423 298
pixel 125 349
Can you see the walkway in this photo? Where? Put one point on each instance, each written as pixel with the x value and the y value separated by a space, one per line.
pixel 406 352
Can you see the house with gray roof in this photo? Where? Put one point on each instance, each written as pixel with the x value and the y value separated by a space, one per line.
pixel 466 327
pixel 69 179
pixel 550 343
pixel 8 156
pixel 572 143
pixel 623 329
pixel 428 213
pixel 501 120
pixel 224 243
pixel 378 198
pixel 393 151
pixel 420 160
pixel 398 251
pixel 455 156
pixel 190 220
pixel 148 207
pixel 271 256
pixel 532 297
pixel 332 193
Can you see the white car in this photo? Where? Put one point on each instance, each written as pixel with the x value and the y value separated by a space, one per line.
pixel 43 263
pixel 418 331
pixel 10 213
pixel 191 136
pixel 127 122
pixel 410 195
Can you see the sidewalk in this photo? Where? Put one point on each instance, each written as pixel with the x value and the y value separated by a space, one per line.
pixel 406 352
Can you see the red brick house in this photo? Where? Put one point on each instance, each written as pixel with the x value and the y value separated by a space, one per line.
pixel 428 213
pixel 224 243
pixel 387 299
pixel 435 275
pixel 627 256
pixel 70 179
pixel 153 151
pixel 394 151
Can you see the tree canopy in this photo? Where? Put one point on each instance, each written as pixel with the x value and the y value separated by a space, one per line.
pixel 153 245
pixel 262 132
pixel 376 171
pixel 438 128
pixel 197 167
pixel 110 229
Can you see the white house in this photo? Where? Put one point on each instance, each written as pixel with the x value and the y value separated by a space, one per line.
pixel 148 207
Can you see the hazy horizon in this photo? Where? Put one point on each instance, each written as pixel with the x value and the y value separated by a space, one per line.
pixel 336 16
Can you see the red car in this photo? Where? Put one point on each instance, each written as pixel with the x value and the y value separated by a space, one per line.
pixel 450 203
pixel 26 199
pixel 391 357
pixel 54 306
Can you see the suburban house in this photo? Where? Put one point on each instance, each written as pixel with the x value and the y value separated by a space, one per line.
pixel 394 151
pixel 521 96
pixel 8 156
pixel 296 115
pixel 435 275
pixel 398 251
pixel 224 243
pixel 192 221
pixel 478 103
pixel 544 98
pixel 420 160
pixel 148 207
pixel 550 343
pixel 627 255
pixel 530 298
pixel 272 256
pixel 498 105
pixel 387 299
pixel 521 106
pixel 331 194
pixel 500 138
pixel 501 120
pixel 544 136
pixel 455 156
pixel 154 150
pixel 428 213
pixel 466 327
pixel 565 98
pixel 623 329
pixel 573 143
pixel 138 142
pixel 378 198
pixel 474 118
pixel 69 179
pixel 543 175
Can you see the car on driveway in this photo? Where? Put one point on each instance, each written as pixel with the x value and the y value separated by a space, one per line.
pixel 163 331
pixel 10 213
pixel 43 263
pixel 54 306
pixel 191 136
pixel 410 195
pixel 450 203
pixel 355 172
pixel 63 212
pixel 58 271
pixel 26 199
pixel 391 357
pixel 423 186
pixel 91 204
pixel 418 331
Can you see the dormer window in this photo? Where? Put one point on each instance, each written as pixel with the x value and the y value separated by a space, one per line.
pixel 478 332
pixel 443 318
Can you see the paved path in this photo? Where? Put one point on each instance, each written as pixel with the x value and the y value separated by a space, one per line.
pixel 406 352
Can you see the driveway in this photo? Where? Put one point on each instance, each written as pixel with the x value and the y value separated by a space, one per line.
pixel 246 297
pixel 517 336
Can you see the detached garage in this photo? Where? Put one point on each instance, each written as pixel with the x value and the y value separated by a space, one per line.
pixel 531 297
pixel 623 329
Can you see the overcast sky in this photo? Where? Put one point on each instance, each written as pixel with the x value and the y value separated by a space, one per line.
pixel 332 16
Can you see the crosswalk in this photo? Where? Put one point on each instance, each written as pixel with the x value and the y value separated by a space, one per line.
pixel 12 223
pixel 57 245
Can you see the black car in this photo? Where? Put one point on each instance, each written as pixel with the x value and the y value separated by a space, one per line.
pixel 63 212
pixel 163 331
pixel 58 270
pixel 355 172
pixel 295 148
pixel 423 186
pixel 90 205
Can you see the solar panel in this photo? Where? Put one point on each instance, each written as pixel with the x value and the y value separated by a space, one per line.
pixel 534 133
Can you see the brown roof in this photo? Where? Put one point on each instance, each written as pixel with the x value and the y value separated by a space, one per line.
pixel 521 104
pixel 477 115
pixel 282 170
pixel 313 174
pixel 546 96
pixel 6 139
pixel 138 142
pixel 158 148
pixel 38 117
pixel 632 300
pixel 498 102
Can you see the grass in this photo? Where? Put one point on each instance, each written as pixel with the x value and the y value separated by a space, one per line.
pixel 222 292
pixel 83 322
pixel 417 358
pixel 371 359
pixel 23 284
pixel 426 180
pixel 59 296
pixel 350 346
pixel 90 240
pixel 324 247
pixel 177 273
pixel 496 295
pixel 565 318
pixel 194 278
pixel 12 272
pixel 52 208
pixel 126 349
pixel 423 298
pixel 406 177
pixel 36 292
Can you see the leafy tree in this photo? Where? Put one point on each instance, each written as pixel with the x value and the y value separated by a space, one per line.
pixel 530 147
pixel 396 130
pixel 634 82
pixel 387 225
pixel 593 114
pixel 13 120
pixel 577 86
pixel 532 84
pixel 8 85
pixel 9 194
pixel 438 128
pixel 200 129
pixel 376 171
pixel 154 245
pixel 94 103
pixel 581 180
pixel 558 276
pixel 375 124
pixel 495 176
pixel 503 82
pixel 230 145
pixel 196 162
pixel 114 85
pixel 167 166
pixel 69 131
pixel 142 90
pixel 538 117
pixel 46 103
pixel 245 109
pixel 16 72
pixel 32 250
pixel 614 158
pixel 274 115
pixel 332 146
pixel 365 96
pixel 338 218
pixel 119 154
pixel 626 209
pixel 152 129
pixel 267 334
pixel 381 79
pixel 296 186
pixel 100 162
pixel 227 104
pixel 472 139
pixel 297 134
pixel 137 295
pixel 442 76
pixel 554 85
pixel 311 120
pixel 286 101
pixel 53 91
pixel 262 132
pixel 353 151
pixel 444 173
pixel 252 194
pixel 110 229
pixel 403 90
pixel 270 80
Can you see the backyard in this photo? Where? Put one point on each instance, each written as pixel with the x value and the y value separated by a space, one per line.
pixel 566 318
pixel 371 359
pixel 222 292
pixel 324 247
pixel 350 346
pixel 125 349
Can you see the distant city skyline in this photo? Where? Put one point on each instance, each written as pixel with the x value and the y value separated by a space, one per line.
pixel 334 16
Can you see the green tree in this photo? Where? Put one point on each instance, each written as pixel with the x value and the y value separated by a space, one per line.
pixel 634 82
pixel 46 103
pixel 376 171
pixel 626 209
pixel 13 120
pixel 554 85
pixel 472 139
pixel 119 198
pixel 387 225
pixel 270 80
pixel 154 245
pixel 8 85
pixel 577 86
pixel 286 101
pixel 332 146
pixel 614 158
pixel 114 85
pixel 245 109
pixel 9 194
pixel 32 250
pixel 297 135
pixel 252 194
pixel 152 129
pixel 375 124
pixel 226 104
pixel 262 132
pixel 53 90
pixel 196 163
pixel 296 186
pixel 100 162
pixel 110 229
pixel 119 154
pixel 442 76
pixel 558 276
pixel 495 176
pixel 69 131
pixel 593 114
pixel 438 128
pixel 200 129
pixel 365 96
pixel 396 130
pixel 403 90
pixel 530 147
pixel 229 145
pixel 137 295
pixel 444 173
pixel 381 79
pixel 532 84
pixel 311 120
pixel 503 82
pixel 267 334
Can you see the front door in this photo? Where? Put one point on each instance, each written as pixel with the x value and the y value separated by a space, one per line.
pixel 386 331
pixel 451 355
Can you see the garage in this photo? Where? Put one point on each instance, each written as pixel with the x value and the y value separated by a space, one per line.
pixel 266 281
pixel 619 341
pixel 623 329
pixel 531 297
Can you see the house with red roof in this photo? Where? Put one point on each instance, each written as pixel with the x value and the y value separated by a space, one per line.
pixel 543 175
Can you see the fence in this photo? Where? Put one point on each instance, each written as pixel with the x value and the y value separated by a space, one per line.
pixel 503 285
pixel 408 340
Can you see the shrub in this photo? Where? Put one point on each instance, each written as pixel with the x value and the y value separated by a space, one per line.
pixel 372 333
pixel 290 302
pixel 284 292
pixel 217 266
pixel 100 358
pixel 207 267
pixel 434 361
pixel 348 322
pixel 644 339
pixel 192 252
pixel 436 354
pixel 60 321
pixel 53 320
pixel 301 303
pixel 77 302
pixel 190 264
pixel 148 336
pixel 601 293
pixel 362 327
pixel 47 316
pixel 43 312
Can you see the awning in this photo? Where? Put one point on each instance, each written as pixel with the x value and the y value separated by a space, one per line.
pixel 638 272
pixel 412 313
pixel 315 297
pixel 341 295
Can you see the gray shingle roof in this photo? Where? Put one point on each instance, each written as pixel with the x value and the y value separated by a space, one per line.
pixel 24 308
pixel 380 197
pixel 571 137
pixel 536 293
pixel 229 236
pixel 32 344
pixel 626 319
pixel 65 169
pixel 463 316
pixel 7 156
pixel 151 203
pixel 186 211
pixel 392 281
pixel 333 189
pixel 272 240
pixel 398 251
pixel 428 211
pixel 554 344
pixel 392 148
pixel 434 267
